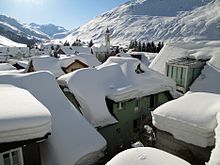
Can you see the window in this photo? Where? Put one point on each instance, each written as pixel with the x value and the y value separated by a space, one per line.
pixel 136 105
pixel 152 101
pixel 120 105
pixel 136 124
pixel 12 157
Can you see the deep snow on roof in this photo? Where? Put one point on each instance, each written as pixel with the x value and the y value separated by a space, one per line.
pixel 6 66
pixel 47 63
pixel 214 158
pixel 75 49
pixel 209 79
pixel 190 119
pixel 88 59
pixel 22 116
pixel 73 139
pixel 115 79
pixel 196 50
pixel 145 156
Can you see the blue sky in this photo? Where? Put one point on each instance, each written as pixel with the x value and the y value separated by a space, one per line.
pixel 67 13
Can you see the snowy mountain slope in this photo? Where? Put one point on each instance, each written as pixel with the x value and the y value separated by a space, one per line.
pixel 148 20
pixel 7 42
pixel 51 30
pixel 19 32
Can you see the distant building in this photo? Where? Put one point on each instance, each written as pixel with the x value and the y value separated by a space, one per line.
pixel 107 40
pixel 102 52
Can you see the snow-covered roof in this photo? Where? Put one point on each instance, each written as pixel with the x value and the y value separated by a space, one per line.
pixel 146 57
pixel 14 50
pixel 47 63
pixel 145 156
pixel 75 49
pixel 91 60
pixel 115 79
pixel 87 59
pixel 65 61
pixel 22 116
pixel 67 50
pixel 196 50
pixel 73 139
pixel 81 49
pixel 6 66
pixel 209 79
pixel 189 119
pixel 99 48
pixel 214 158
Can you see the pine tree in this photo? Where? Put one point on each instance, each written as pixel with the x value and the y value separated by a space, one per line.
pixel 139 46
pixel 153 47
pixel 143 47
pixel 135 44
pixel 66 44
pixel 148 48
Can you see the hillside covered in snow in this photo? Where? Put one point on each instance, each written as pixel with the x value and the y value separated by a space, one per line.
pixel 7 42
pixel 51 30
pixel 155 20
pixel 19 32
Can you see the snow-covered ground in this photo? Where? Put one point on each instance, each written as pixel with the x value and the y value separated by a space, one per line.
pixel 145 156
pixel 7 42
pixel 73 140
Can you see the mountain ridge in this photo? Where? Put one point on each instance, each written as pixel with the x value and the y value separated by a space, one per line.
pixel 154 20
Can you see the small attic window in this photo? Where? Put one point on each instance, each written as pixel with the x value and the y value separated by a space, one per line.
pixel 138 70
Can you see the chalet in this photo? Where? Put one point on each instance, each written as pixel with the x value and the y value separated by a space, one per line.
pixel 73 140
pixel 126 92
pixel 24 124
pixel 188 131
